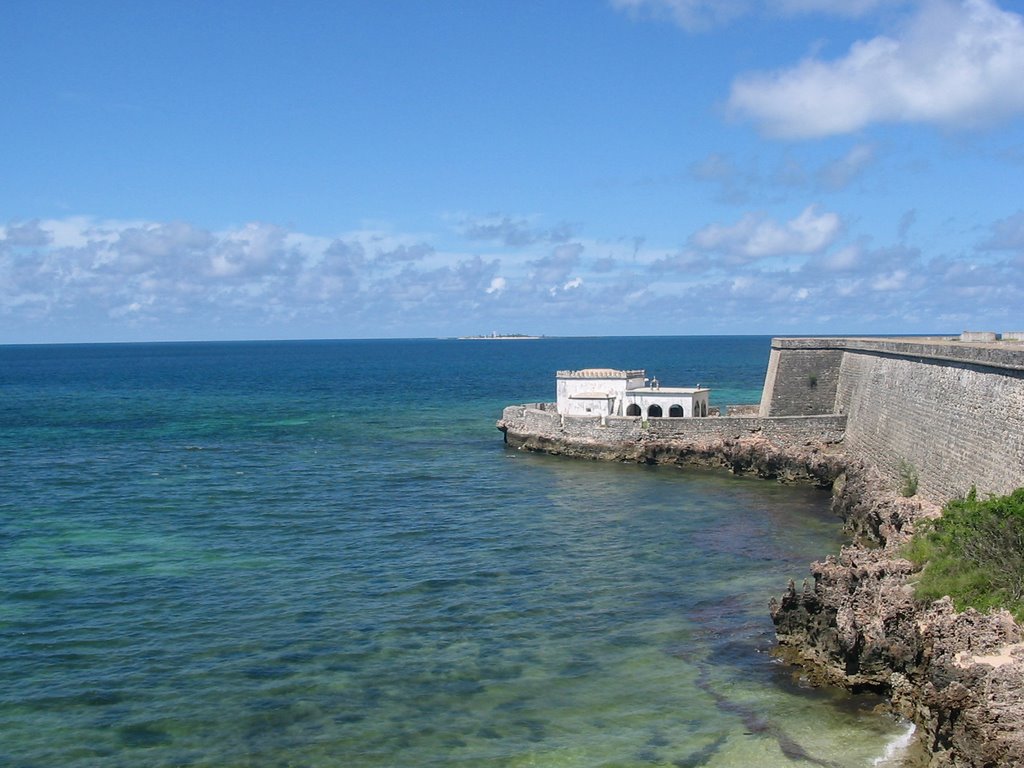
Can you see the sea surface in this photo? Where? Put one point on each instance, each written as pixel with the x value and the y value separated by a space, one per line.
pixel 322 554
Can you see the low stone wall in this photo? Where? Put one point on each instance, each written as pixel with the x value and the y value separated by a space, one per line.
pixel 786 449
pixel 540 420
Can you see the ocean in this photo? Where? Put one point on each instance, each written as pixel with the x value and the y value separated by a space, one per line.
pixel 321 554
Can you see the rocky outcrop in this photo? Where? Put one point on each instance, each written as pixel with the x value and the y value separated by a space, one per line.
pixel 958 676
pixel 748 454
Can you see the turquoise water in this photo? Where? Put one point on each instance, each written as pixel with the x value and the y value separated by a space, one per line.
pixel 321 554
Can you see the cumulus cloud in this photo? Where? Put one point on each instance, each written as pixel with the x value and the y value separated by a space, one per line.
pixel 1006 234
pixel 734 184
pixel 96 280
pixel 739 182
pixel 839 173
pixel 404 253
pixel 24 235
pixel 555 267
pixel 843 259
pixel 511 231
pixel 757 237
pixel 953 64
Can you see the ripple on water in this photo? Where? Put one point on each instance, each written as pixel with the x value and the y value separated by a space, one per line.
pixel 240 558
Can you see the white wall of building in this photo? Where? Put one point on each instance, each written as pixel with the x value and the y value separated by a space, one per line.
pixel 694 402
pixel 589 404
pixel 610 392
pixel 570 384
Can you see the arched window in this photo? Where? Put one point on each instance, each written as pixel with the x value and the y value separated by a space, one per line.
pixel 703 409
pixel 675 411
pixel 633 410
pixel 654 411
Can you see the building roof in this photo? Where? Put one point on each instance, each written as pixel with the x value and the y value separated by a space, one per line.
pixel 600 373
pixel 667 391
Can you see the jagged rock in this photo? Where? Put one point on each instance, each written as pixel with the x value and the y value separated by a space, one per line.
pixel 958 676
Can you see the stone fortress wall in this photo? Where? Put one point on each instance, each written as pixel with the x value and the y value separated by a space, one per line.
pixel 948 412
pixel 951 412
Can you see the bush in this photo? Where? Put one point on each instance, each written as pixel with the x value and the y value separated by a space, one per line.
pixel 908 479
pixel 974 553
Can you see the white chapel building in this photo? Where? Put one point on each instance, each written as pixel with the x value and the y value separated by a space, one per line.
pixel 611 392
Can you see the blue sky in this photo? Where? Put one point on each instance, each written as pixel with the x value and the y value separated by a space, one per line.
pixel 245 170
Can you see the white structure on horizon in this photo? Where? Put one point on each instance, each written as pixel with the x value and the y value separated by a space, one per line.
pixel 611 392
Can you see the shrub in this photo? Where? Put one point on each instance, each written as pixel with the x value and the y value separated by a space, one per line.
pixel 908 479
pixel 974 553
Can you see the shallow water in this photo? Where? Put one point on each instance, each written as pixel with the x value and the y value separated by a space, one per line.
pixel 321 554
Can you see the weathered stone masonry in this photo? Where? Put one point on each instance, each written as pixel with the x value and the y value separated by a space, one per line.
pixel 950 412
pixel 541 420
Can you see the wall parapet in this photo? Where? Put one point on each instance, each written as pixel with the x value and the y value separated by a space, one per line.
pixel 530 421
pixel 1007 354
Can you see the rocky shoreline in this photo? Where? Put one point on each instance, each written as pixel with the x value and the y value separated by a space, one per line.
pixel 959 677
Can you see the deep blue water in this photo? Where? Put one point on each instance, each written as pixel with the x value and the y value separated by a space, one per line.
pixel 321 554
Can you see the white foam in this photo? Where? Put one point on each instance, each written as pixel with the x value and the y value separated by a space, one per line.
pixel 896 748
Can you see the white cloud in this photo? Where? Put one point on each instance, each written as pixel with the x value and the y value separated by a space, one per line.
pixel 89 280
pixel 954 63
pixel 890 281
pixel 1007 234
pixel 757 237
pixel 556 266
pixel 740 181
pixel 839 173
pixel 512 232
pixel 24 235
pixel 843 260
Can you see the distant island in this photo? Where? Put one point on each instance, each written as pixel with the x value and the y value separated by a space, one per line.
pixel 498 337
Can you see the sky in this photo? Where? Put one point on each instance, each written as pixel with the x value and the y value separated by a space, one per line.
pixel 401 168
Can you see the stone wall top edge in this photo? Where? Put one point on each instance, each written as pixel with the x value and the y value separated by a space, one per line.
pixel 822 417
pixel 1008 355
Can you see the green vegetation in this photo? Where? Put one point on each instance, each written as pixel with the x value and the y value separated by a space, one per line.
pixel 812 380
pixel 974 553
pixel 908 479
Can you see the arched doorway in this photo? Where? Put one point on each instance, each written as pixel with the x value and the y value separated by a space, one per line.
pixel 703 409
pixel 654 411
pixel 633 410
pixel 675 412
